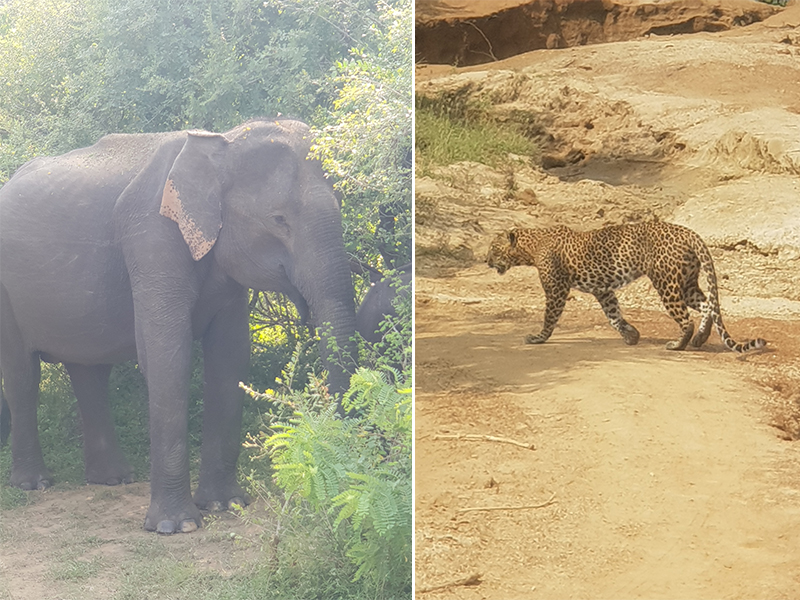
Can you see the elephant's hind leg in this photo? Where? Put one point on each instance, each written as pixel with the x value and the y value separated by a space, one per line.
pixel 104 460
pixel 5 418
pixel 21 374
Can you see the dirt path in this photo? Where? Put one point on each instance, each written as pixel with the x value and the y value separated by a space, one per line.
pixel 88 544
pixel 668 482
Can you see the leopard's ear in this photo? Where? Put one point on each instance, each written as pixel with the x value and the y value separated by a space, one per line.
pixel 512 237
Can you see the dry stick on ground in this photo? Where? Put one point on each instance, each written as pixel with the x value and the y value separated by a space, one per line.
pixel 474 579
pixel 550 501
pixel 474 437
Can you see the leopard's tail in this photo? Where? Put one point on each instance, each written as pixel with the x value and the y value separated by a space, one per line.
pixel 712 301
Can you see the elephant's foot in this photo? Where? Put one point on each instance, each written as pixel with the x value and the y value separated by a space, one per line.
pixel 183 520
pixel 110 477
pixel 220 498
pixel 35 479
pixel 109 472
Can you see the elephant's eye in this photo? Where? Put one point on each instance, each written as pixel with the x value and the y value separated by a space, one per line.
pixel 279 220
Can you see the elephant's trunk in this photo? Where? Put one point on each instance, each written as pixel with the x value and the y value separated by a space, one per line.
pixel 323 277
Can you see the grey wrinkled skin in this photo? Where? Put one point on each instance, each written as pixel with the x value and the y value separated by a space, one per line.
pixel 5 418
pixel 132 248
pixel 378 303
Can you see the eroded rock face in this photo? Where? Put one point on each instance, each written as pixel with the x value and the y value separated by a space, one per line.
pixel 701 130
pixel 481 31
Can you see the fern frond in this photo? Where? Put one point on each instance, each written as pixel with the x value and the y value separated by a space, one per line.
pixel 359 467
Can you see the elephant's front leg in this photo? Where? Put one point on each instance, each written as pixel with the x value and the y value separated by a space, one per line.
pixel 164 347
pixel 226 355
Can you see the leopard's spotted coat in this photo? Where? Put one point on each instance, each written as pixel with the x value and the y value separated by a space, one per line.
pixel 601 261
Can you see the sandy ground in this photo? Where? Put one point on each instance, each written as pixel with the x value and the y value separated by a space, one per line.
pixel 88 543
pixel 668 475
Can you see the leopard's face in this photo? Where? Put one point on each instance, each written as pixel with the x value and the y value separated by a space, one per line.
pixel 500 255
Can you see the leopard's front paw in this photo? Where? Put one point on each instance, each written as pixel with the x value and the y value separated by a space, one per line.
pixel 535 339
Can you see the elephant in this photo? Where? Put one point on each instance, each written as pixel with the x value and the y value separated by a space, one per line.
pixel 136 246
pixel 5 418
pixel 379 303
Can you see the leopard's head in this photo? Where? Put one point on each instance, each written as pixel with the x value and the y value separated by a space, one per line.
pixel 502 252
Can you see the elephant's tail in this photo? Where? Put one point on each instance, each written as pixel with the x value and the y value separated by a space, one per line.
pixel 5 417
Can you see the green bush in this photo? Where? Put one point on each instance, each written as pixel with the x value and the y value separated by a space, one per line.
pixel 356 469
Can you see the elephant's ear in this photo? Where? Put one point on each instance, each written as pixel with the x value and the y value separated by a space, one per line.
pixel 192 195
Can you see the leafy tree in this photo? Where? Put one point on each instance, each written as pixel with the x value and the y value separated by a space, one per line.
pixel 367 141
pixel 73 71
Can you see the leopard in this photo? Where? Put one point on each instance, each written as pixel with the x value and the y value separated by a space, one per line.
pixel 600 261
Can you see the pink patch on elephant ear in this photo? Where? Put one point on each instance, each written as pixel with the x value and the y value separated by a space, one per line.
pixel 172 208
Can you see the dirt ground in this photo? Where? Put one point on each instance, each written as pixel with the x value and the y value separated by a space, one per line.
pixel 654 474
pixel 88 543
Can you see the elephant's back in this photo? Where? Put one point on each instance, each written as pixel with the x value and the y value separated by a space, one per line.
pixel 71 198
pixel 62 266
pixel 113 159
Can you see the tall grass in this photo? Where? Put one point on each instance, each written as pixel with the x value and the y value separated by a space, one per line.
pixel 450 128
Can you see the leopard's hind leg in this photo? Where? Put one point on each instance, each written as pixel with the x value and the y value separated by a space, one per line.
pixel 671 292
pixel 608 300
pixel 696 299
